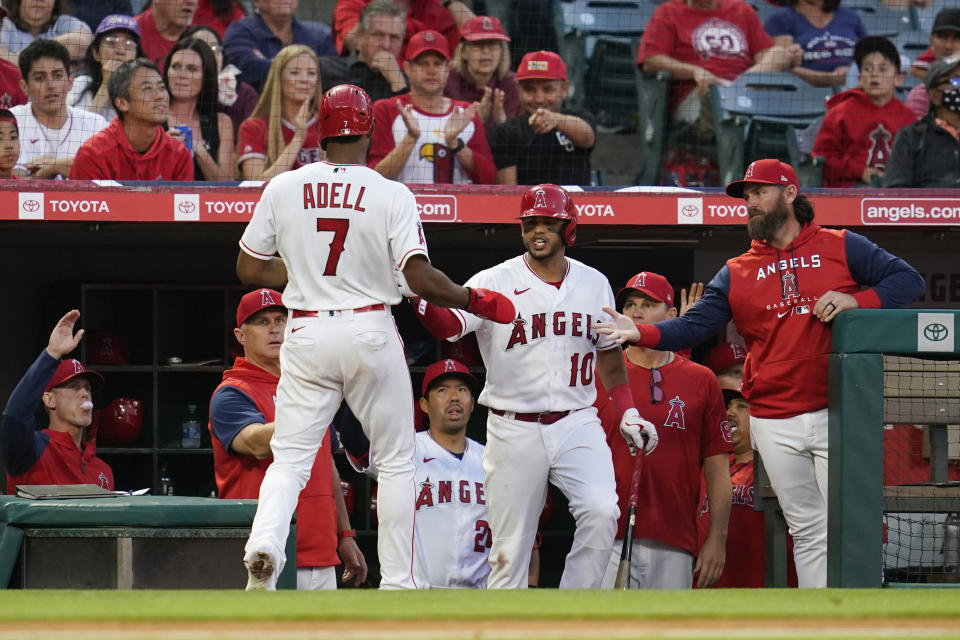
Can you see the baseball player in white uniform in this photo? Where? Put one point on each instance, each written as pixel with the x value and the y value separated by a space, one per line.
pixel 340 230
pixel 540 390
pixel 453 533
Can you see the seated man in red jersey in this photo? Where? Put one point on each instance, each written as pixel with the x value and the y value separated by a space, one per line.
pixel 241 425
pixel 705 42
pixel 423 137
pixel 162 23
pixel 135 146
pixel 59 454
pixel 746 559
pixel 684 402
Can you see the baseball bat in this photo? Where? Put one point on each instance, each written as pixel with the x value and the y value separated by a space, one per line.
pixel 626 553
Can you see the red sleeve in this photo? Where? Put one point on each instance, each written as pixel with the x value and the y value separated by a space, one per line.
pixel 346 15
pixel 251 140
pixel 714 436
pixel 606 411
pixel 831 146
pixel 84 166
pixel 182 165
pixel 384 112
pixel 924 60
pixel 660 36
pixel 485 172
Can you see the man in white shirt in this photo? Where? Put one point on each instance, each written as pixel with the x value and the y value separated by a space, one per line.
pixel 50 131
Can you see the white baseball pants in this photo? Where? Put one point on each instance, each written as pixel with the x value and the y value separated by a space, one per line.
pixel 357 357
pixel 317 579
pixel 653 565
pixel 519 459
pixel 794 452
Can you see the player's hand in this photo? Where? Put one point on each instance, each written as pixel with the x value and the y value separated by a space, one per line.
pixel 621 330
pixel 354 564
pixel 710 562
pixel 687 302
pixel 491 305
pixel 409 119
pixel 543 121
pixel 62 339
pixel 833 302
pixel 458 121
pixel 639 433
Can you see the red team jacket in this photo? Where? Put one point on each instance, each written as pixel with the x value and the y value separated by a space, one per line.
pixel 691 422
pixel 857 134
pixel 45 457
pixel 770 295
pixel 107 155
pixel 10 92
pixel 239 476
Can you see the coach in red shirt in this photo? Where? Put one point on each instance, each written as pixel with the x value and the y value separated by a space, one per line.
pixel 58 454
pixel 135 146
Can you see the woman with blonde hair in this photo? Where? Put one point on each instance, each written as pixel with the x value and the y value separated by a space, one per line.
pixel 283 132
pixel 481 72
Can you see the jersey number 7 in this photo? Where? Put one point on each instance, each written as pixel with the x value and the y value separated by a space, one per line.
pixel 339 228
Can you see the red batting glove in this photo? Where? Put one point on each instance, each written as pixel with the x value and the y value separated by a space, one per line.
pixel 491 305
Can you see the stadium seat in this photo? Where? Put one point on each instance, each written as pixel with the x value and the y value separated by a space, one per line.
pixel 879 19
pixel 652 92
pixel 923 17
pixel 757 117
pixel 763 8
pixel 911 45
pixel 810 172
pixel 610 30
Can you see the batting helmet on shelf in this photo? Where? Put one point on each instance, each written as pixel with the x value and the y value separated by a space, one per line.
pixel 345 110
pixel 551 201
pixel 120 422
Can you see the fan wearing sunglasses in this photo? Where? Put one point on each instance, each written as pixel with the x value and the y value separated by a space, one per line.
pixel 684 402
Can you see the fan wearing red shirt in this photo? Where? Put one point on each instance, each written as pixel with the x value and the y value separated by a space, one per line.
pixel 705 42
pixel 424 137
pixel 162 24
pixel 218 14
pixel 422 15
pixel 684 402
pixel 134 146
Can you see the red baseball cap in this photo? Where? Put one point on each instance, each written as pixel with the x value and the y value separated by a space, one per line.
pixel 541 65
pixel 767 171
pixel 257 300
pixel 724 356
pixel 652 285
pixel 424 41
pixel 72 368
pixel 448 367
pixel 483 28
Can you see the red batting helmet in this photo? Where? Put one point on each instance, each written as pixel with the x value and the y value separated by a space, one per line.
pixel 120 422
pixel 345 110
pixel 551 201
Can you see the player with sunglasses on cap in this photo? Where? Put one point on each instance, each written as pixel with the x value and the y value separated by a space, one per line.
pixel 59 454
pixel 684 402
pixel 783 294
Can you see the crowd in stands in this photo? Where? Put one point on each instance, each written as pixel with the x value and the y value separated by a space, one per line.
pixel 242 79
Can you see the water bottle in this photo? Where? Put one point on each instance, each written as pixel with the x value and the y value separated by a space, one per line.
pixel 190 429
pixel 951 544
pixel 166 483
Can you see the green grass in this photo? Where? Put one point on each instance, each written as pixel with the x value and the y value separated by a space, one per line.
pixel 764 604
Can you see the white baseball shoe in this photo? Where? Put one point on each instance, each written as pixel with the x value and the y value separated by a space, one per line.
pixel 261 574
